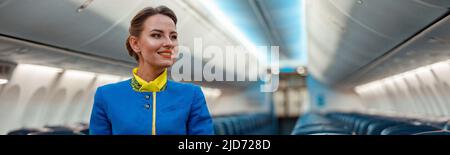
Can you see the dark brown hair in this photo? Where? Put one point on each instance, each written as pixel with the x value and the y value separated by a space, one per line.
pixel 136 25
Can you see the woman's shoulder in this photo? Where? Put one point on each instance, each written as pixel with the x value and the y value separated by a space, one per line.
pixel 182 85
pixel 116 86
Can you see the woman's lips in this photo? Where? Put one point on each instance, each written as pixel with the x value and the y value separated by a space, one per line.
pixel 166 54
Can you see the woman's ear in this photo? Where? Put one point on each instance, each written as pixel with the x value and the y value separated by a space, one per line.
pixel 134 43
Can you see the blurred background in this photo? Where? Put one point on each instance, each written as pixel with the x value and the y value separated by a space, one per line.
pixel 346 67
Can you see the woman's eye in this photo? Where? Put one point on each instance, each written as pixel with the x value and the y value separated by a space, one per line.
pixel 157 36
pixel 174 37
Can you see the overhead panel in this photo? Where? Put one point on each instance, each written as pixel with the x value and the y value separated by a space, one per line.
pixel 61 25
pixel 349 34
pixel 428 47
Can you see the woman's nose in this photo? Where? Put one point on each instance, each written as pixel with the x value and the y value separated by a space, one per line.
pixel 168 42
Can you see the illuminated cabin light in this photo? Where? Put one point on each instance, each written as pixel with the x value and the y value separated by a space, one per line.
pixel 79 74
pixel 371 85
pixel 109 76
pixel 359 2
pixel 301 70
pixel 41 68
pixel 211 92
pixel 3 81
pixel 70 72
pixel 227 24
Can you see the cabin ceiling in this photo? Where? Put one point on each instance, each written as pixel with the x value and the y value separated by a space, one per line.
pixel 345 37
pixel 349 42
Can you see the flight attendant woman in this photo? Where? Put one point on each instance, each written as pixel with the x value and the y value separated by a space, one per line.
pixel 148 103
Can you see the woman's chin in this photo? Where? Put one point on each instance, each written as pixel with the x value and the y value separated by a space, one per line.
pixel 161 63
pixel 166 64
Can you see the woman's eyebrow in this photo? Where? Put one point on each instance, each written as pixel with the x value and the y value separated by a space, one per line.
pixel 157 30
pixel 161 31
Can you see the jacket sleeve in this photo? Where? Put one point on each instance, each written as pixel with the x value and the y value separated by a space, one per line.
pixel 200 121
pixel 99 123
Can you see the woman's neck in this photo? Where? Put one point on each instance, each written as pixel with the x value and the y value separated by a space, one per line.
pixel 147 72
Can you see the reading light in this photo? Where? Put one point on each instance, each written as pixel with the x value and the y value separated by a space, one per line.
pixel 84 5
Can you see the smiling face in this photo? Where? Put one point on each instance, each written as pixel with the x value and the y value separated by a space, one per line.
pixel 157 43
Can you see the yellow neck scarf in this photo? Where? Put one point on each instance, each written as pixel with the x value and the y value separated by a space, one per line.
pixel 153 86
pixel 157 85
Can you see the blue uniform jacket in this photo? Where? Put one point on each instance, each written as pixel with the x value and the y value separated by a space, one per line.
pixel 180 109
